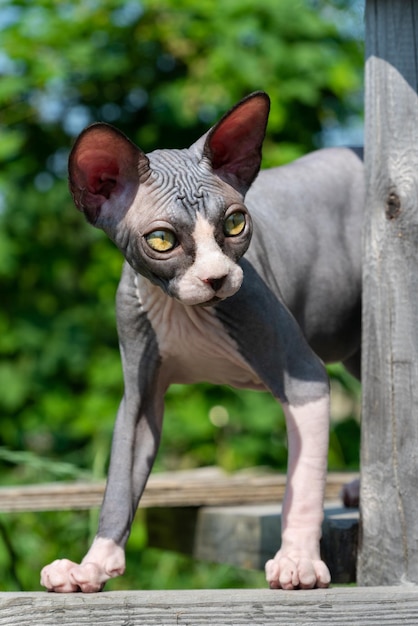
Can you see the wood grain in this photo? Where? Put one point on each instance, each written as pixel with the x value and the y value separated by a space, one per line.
pixel 360 606
pixel 389 459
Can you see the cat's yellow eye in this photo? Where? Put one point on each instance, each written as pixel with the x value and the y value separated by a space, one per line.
pixel 234 224
pixel 161 240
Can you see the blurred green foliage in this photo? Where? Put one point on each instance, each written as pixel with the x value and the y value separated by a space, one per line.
pixel 163 71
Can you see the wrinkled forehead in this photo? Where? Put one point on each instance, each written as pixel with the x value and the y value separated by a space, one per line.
pixel 183 182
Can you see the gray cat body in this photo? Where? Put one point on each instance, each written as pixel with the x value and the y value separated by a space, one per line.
pixel 230 278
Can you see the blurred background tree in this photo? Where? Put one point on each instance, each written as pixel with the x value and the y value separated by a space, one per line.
pixel 163 71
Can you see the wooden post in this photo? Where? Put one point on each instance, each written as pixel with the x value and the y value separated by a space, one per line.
pixel 388 551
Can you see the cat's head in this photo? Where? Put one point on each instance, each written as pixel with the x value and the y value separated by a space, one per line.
pixel 178 216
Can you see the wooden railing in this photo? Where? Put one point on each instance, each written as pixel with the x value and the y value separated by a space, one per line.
pixel 200 487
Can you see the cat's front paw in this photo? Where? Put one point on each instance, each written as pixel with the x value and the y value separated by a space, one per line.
pixel 104 560
pixel 64 576
pixel 295 570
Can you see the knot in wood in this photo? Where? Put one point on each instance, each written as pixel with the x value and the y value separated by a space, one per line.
pixel 393 206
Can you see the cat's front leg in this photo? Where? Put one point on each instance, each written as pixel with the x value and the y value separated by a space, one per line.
pixel 135 444
pixel 298 565
pixel 134 447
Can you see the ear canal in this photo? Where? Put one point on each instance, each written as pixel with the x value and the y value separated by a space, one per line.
pixel 104 164
pixel 233 145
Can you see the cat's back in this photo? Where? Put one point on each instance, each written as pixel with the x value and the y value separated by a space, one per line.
pixel 309 210
pixel 307 236
pixel 324 183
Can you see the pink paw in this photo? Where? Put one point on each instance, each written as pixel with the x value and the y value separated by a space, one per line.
pixel 104 560
pixel 295 571
pixel 64 576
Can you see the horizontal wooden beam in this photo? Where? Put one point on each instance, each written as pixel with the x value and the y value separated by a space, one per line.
pixel 361 606
pixel 200 487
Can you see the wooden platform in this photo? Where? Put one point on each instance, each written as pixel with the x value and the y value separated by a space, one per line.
pixel 205 495
pixel 340 607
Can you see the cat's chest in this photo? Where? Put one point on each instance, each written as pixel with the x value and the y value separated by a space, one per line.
pixel 193 343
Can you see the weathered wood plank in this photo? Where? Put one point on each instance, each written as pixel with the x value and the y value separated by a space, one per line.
pixel 389 548
pixel 258 607
pixel 202 487
pixel 247 536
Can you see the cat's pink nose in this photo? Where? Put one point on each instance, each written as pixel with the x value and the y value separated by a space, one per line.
pixel 215 283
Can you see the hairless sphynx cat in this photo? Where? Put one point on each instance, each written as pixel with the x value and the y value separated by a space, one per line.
pixel 233 277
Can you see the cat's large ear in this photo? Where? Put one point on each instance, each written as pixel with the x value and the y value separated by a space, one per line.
pixel 104 165
pixel 233 145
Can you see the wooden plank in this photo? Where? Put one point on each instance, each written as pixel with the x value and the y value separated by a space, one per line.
pixel 394 606
pixel 201 487
pixel 248 535
pixel 389 460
